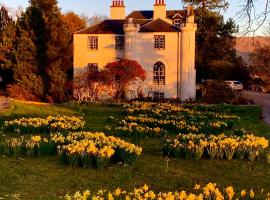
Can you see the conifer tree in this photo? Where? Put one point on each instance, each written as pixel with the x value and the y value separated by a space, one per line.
pixel 7 35
pixel 58 42
pixel 26 71
pixel 7 51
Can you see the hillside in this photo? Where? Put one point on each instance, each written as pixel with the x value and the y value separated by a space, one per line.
pixel 245 45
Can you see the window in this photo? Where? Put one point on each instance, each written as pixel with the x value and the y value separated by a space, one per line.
pixel 158 95
pixel 159 74
pixel 159 41
pixel 177 22
pixel 120 42
pixel 92 68
pixel 93 43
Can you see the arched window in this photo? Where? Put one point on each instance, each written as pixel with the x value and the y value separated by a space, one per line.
pixel 159 74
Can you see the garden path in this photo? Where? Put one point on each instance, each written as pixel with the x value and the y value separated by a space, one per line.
pixel 263 100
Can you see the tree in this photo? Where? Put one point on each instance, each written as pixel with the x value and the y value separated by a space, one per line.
pixel 96 18
pixel 7 36
pixel 261 61
pixel 88 85
pixel 215 42
pixel 208 4
pixel 119 76
pixel 260 58
pixel 73 21
pixel 7 51
pixel 56 45
pixel 26 72
pixel 254 19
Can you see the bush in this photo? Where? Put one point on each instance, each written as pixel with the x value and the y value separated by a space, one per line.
pixel 241 100
pixel 20 93
pixel 216 91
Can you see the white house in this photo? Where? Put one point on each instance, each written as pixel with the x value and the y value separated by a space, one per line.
pixel 161 40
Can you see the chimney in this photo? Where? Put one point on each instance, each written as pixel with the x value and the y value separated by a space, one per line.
pixel 190 14
pixel 118 9
pixel 160 9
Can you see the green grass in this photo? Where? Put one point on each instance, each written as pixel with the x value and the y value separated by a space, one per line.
pixel 44 178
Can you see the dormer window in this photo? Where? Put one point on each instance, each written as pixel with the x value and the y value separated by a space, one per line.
pixel 177 22
pixel 93 43
pixel 120 42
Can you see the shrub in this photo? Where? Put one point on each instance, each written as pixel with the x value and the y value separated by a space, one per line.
pixel 216 91
pixel 20 93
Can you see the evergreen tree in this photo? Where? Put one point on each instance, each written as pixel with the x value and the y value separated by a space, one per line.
pixel 7 36
pixel 26 71
pixel 7 51
pixel 215 43
pixel 57 45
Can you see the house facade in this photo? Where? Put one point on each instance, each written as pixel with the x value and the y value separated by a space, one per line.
pixel 161 40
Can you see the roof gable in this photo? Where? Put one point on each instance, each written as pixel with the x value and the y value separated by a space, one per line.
pixel 177 16
pixel 158 25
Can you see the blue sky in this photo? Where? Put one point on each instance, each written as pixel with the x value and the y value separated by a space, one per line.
pixel 91 7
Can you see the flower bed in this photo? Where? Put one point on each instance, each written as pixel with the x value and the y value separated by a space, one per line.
pixel 156 120
pixel 193 146
pixel 45 125
pixel 97 150
pixel 209 192
pixel 84 149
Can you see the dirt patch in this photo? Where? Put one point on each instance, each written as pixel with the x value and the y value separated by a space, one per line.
pixel 4 103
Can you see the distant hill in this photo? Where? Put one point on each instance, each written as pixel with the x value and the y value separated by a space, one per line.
pixel 246 45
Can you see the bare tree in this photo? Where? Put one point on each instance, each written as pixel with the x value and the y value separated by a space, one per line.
pixel 253 17
pixel 96 18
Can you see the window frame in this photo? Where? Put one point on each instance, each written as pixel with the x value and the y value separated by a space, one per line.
pixel 92 68
pixel 179 23
pixel 159 95
pixel 159 42
pixel 93 43
pixel 159 74
pixel 120 43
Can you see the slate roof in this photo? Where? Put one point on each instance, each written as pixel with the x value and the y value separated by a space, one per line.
pixel 105 27
pixel 144 18
pixel 158 25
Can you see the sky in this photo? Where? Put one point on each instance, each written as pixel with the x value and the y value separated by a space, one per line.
pixel 91 7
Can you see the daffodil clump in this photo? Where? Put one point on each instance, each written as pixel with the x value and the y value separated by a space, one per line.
pixel 29 146
pixel 198 146
pixel 209 192
pixel 45 125
pixel 85 149
pixel 173 118
pixel 138 132
pixel 89 149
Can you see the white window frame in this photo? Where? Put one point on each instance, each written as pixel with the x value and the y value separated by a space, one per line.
pixel 177 22
pixel 159 95
pixel 92 68
pixel 160 42
pixel 93 43
pixel 120 42
pixel 159 77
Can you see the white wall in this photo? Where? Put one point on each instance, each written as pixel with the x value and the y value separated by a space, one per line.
pixel 106 51
pixel 143 51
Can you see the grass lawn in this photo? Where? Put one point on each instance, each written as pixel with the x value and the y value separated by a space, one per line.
pixel 45 178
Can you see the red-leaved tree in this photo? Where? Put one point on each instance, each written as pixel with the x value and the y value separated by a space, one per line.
pixel 118 76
